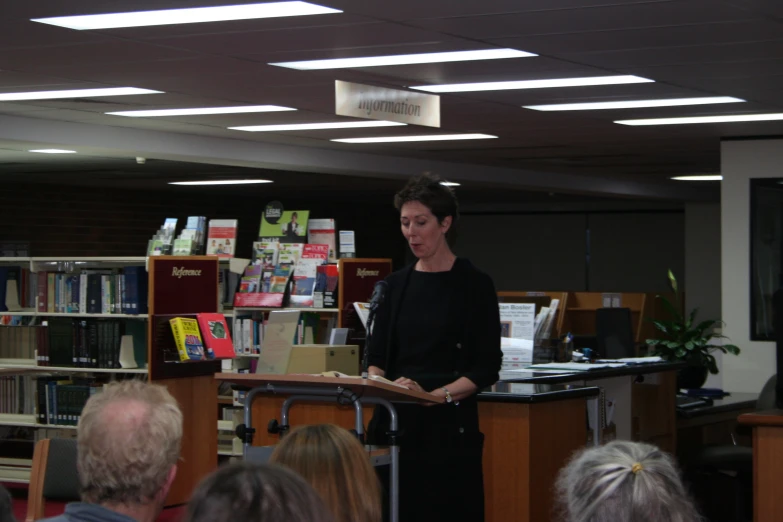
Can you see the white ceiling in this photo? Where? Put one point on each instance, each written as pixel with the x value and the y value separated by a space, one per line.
pixel 689 47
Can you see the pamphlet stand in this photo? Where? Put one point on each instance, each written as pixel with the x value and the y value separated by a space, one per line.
pixel 340 390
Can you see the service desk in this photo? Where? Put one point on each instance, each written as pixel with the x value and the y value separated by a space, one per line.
pixel 530 432
pixel 640 399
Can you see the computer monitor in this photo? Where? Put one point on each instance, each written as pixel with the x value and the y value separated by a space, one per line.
pixel 614 333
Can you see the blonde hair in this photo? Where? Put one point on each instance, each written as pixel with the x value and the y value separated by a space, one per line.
pixel 623 481
pixel 128 439
pixel 335 463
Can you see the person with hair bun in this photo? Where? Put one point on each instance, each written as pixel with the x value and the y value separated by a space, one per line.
pixel 623 482
pixel 437 331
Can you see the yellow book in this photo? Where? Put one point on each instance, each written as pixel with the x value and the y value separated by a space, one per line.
pixel 187 337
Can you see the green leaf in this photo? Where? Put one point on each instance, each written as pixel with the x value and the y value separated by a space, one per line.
pixel 653 342
pixel 710 363
pixel 690 345
pixel 732 349
pixel 662 326
pixel 681 353
pixel 704 325
pixel 672 281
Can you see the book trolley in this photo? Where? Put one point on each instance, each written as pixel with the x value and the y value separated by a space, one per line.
pixel 341 391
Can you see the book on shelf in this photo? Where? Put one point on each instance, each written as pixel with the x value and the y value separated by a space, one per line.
pixel 251 280
pixel 217 338
pixel 283 226
pixel 162 241
pixel 187 338
pixel 289 253
pixel 265 253
pixel 347 244
pixel 222 237
pixel 324 231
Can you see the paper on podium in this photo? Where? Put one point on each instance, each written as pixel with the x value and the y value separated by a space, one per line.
pixel 363 311
pixel 371 377
pixel 279 335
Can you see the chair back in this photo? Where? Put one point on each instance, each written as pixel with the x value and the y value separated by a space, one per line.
pixel 53 477
pixel 614 333
pixel 766 400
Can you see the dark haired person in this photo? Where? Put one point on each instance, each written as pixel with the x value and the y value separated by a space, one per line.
pixel 437 331
pixel 292 230
pixel 243 492
pixel 6 506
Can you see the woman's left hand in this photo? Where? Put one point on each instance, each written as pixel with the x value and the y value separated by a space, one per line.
pixel 410 384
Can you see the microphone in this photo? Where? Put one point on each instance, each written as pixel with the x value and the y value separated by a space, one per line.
pixel 378 295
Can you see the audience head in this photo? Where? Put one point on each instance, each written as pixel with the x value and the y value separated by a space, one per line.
pixel 6 506
pixel 128 440
pixel 243 492
pixel 624 482
pixel 336 464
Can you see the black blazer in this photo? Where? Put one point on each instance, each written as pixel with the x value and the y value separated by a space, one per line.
pixel 474 324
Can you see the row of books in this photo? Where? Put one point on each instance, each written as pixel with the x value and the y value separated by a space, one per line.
pixel 86 343
pixel 60 401
pixel 115 291
pixel 249 332
pixel 17 395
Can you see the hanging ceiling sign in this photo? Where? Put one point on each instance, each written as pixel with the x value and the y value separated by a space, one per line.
pixel 378 103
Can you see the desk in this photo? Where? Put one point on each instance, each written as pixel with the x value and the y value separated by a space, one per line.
pixel 530 432
pixel 649 415
pixel 712 425
pixel 767 464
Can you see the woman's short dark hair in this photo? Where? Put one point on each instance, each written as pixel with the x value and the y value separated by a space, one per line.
pixel 243 492
pixel 440 199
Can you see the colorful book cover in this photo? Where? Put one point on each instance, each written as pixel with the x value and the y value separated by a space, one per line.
pixel 217 338
pixel 324 231
pixel 251 280
pixel 316 252
pixel 289 226
pixel 279 280
pixel 289 253
pixel 187 338
pixel 304 282
pixel 222 237
pixel 265 254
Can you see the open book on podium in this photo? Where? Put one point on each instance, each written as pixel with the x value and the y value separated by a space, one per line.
pixel 365 388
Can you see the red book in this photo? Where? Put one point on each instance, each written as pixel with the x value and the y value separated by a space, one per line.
pixel 42 287
pixel 217 339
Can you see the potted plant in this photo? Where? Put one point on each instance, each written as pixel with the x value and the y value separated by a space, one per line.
pixel 683 339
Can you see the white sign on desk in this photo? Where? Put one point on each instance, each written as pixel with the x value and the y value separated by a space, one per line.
pixel 517 322
pixel 378 103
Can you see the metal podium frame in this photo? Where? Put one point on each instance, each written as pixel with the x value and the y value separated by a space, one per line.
pixel 325 389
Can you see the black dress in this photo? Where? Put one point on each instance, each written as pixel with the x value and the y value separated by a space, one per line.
pixel 434 328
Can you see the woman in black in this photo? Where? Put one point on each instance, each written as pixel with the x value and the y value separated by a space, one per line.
pixel 438 331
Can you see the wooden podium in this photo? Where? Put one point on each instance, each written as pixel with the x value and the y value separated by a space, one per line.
pixel 767 463
pixel 342 391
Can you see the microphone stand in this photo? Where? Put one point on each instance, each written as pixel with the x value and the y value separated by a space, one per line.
pixel 367 338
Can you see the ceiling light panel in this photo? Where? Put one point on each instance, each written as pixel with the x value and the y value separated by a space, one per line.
pixel 533 84
pixel 402 139
pixel 201 111
pixel 187 16
pixel 318 126
pixel 222 182
pixel 708 177
pixel 634 104
pixel 75 93
pixel 53 151
pixel 733 118
pixel 405 59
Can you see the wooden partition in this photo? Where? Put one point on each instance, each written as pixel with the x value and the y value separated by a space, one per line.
pixel 185 286
pixel 767 464
pixel 576 312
